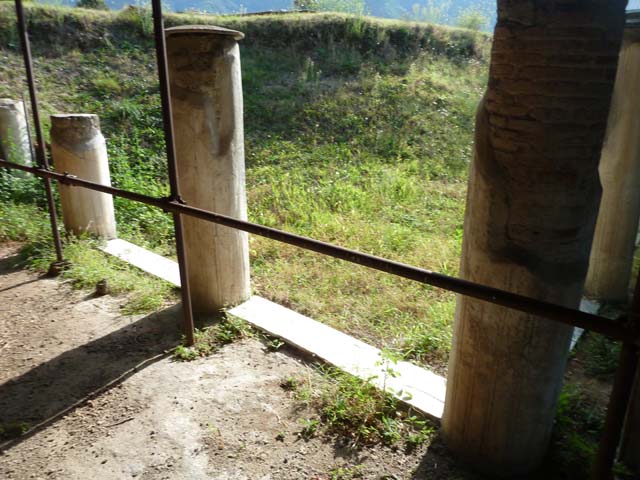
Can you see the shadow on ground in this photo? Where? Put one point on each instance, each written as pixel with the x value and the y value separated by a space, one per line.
pixel 10 264
pixel 53 388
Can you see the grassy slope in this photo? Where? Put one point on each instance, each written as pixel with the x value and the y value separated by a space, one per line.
pixel 358 132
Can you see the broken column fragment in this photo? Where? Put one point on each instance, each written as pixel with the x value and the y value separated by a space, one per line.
pixel 78 148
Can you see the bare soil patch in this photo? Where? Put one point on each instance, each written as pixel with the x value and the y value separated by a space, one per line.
pixel 103 399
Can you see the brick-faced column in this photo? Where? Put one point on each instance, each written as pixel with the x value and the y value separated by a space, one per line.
pixel 531 210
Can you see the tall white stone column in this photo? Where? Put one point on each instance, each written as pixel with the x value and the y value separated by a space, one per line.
pixel 14 135
pixel 614 239
pixel 206 99
pixel 78 148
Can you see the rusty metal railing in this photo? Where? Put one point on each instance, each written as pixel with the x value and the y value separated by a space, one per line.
pixel 41 155
pixel 167 122
pixel 625 329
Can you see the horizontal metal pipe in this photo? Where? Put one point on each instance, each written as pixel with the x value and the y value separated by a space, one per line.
pixel 558 313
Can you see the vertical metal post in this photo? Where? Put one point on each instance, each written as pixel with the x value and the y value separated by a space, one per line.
pixel 620 396
pixel 616 412
pixel 41 154
pixel 163 74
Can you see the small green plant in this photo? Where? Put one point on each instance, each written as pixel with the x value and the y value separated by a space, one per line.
pixel 577 409
pixel 310 76
pixel 126 110
pixel 205 344
pixel 209 340
pixel 185 354
pixel 309 429
pixel 391 431
pixel 388 358
pixel 422 432
pixel 361 412
pixel 347 473
pixel 275 344
pixel 232 329
pixel 414 440
pixel 290 384
pixel 9 431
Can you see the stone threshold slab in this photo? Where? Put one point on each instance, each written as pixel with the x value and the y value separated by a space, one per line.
pixel 145 260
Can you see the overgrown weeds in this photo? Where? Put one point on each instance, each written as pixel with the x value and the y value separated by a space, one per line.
pixel 357 411
pixel 601 355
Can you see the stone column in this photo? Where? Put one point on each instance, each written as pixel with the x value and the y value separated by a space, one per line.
pixel 529 222
pixel 14 135
pixel 78 147
pixel 617 227
pixel 206 99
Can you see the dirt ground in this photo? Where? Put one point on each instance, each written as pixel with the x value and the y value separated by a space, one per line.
pixel 103 399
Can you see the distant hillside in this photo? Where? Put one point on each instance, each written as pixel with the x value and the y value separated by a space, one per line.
pixel 70 27
pixel 447 12
pixel 435 11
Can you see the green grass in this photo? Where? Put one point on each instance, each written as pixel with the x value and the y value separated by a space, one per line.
pixel 579 422
pixel 358 411
pixel 576 437
pixel 360 137
pixel 9 431
pixel 29 224
pixel 209 340
pixel 582 408
pixel 347 473
pixel 601 356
